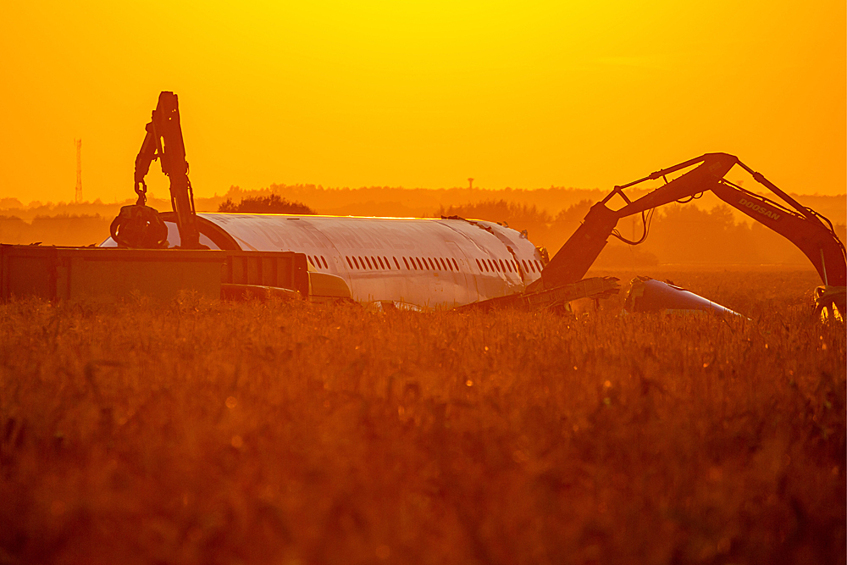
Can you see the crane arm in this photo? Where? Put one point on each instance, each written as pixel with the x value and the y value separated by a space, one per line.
pixel 802 226
pixel 163 141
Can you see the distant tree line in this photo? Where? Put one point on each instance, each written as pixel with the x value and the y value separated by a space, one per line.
pixel 270 204
pixel 683 234
pixel 63 229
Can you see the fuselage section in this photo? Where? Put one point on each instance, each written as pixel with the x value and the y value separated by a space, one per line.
pixel 425 263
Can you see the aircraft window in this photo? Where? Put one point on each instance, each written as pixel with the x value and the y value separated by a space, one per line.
pixel 433 263
pixel 326 266
pixel 379 260
pixel 455 264
pixel 368 263
pixel 396 263
pixel 509 265
pixel 406 263
pixel 532 265
pixel 478 264
pixel 492 265
pixel 348 261
pixel 502 265
pixel 447 262
pixel 538 265
pixel 487 266
pixel 525 268
pixel 309 259
pixel 443 264
pixel 356 263
pixel 418 261
pixel 387 264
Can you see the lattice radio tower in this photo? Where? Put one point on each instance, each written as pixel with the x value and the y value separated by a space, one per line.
pixel 78 195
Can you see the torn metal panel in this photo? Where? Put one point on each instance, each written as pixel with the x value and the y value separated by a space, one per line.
pixel 650 295
pixel 595 287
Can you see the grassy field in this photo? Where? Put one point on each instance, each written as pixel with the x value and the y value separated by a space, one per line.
pixel 195 432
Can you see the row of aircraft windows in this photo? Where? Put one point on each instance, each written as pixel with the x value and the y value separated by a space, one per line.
pixel 424 263
pixel 317 260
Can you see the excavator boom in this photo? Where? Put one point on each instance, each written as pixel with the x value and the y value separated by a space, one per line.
pixel 163 141
pixel 802 226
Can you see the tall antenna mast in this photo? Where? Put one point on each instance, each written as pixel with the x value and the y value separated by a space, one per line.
pixel 78 195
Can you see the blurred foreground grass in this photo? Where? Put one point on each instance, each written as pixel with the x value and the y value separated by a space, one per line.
pixel 196 432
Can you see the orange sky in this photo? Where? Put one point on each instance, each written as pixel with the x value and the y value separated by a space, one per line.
pixel 421 94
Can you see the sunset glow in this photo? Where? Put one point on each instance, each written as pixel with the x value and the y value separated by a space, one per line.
pixel 421 94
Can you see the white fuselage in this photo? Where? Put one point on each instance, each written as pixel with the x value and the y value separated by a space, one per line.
pixel 428 263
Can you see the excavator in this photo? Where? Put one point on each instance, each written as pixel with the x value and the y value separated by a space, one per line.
pixel 811 232
pixel 139 225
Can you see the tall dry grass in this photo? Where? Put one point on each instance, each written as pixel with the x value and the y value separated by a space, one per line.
pixel 195 432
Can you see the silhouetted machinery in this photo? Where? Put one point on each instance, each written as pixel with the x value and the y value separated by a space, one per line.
pixel 139 225
pixel 811 232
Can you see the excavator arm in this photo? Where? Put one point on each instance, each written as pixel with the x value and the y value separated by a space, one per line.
pixel 811 233
pixel 163 141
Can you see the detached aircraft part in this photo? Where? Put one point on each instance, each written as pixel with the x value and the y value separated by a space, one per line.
pixel 417 263
pixel 594 288
pixel 650 295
